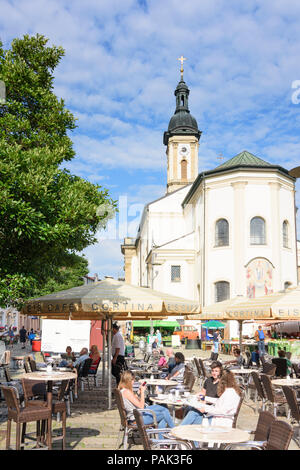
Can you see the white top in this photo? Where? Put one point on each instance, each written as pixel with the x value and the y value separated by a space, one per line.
pixel 225 405
pixel 118 342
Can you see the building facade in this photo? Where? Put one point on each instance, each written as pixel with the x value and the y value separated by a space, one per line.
pixel 216 234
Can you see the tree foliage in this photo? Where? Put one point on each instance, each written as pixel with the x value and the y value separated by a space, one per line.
pixel 46 213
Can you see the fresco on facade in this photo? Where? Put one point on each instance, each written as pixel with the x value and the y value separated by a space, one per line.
pixel 259 274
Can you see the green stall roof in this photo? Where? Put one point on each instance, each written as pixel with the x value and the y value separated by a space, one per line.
pixel 156 324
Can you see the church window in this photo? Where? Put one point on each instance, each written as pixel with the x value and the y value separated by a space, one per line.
pixel 285 234
pixel 183 169
pixel 222 291
pixel 222 233
pixel 175 273
pixel 182 100
pixel 257 231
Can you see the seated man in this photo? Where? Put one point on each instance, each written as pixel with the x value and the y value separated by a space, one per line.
pixel 283 366
pixel 195 416
pixel 255 357
pixel 171 361
pixel 83 356
pixel 68 357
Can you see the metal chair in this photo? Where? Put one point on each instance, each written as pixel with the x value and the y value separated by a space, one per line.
pixel 274 398
pixel 150 443
pixel 127 427
pixel 261 433
pixel 22 416
pixel 260 393
pixel 293 404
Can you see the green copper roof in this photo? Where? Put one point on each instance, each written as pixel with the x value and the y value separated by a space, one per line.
pixel 243 158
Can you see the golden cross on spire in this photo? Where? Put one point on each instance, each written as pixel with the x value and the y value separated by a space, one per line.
pixel 181 69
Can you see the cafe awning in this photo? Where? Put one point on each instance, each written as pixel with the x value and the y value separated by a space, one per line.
pixel 156 324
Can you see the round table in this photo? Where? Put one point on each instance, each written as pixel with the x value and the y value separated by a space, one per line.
pixel 210 434
pixel 288 382
pixel 159 383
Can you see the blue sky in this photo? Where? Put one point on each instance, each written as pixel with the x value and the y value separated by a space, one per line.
pixel 119 74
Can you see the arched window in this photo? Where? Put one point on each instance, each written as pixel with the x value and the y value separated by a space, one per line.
pixel 257 231
pixel 183 164
pixel 222 291
pixel 222 233
pixel 285 234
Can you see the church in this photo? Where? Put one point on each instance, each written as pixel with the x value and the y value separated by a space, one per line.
pixel 216 234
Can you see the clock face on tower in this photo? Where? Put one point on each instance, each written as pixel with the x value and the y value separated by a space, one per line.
pixel 184 149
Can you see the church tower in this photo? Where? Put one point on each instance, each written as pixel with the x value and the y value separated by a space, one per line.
pixel 182 141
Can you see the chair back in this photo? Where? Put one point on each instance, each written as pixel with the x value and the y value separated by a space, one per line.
pixel 201 363
pixel 83 369
pixel 190 381
pixel 263 427
pixel 32 365
pixel 269 369
pixel 214 356
pixel 6 359
pixel 142 430
pixel 198 368
pixel 258 385
pixel 296 370
pixel 249 361
pixel 236 414
pixel 11 399
pixel 7 375
pixel 291 399
pixel 280 436
pixel 267 386
pixel 33 389
pixel 26 366
pixel 121 407
pixel 281 366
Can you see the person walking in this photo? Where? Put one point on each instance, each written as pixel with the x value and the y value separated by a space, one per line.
pixel 23 333
pixel 260 338
pixel 216 339
pixel 118 353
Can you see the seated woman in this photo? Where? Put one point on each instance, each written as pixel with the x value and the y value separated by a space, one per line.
pixel 162 363
pixel 133 401
pixel 238 360
pixel 68 357
pixel 177 371
pixel 95 356
pixel 210 390
pixel 222 412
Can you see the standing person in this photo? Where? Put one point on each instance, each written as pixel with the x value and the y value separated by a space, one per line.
pixel 31 335
pixel 118 353
pixel 159 338
pixel 11 336
pixel 260 338
pixel 210 389
pixel 23 334
pixel 216 339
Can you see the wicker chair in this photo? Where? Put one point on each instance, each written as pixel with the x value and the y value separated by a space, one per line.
pixel 274 398
pixel 35 389
pixel 296 370
pixel 32 364
pixel 261 433
pixel 293 404
pixel 22 416
pixel 204 372
pixel 128 428
pixel 198 369
pixel 280 436
pixel 260 393
pixel 156 444
pixel 83 372
pixel 93 375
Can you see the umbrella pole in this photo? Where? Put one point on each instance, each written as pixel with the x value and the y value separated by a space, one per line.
pixel 241 334
pixel 109 362
pixel 103 349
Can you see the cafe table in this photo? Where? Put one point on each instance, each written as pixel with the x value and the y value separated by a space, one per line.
pixel 159 383
pixel 49 378
pixel 288 382
pixel 210 434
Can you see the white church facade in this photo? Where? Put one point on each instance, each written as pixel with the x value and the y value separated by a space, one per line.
pixel 216 234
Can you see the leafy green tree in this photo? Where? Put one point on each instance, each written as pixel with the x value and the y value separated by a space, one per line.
pixel 46 213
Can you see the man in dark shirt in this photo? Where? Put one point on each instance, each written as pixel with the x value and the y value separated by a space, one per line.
pixel 210 387
pixel 23 333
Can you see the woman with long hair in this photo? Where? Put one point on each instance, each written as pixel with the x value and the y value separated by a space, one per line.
pixel 133 401
pixel 229 393
pixel 96 358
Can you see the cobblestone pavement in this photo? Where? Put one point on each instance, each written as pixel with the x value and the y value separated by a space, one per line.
pixel 92 426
